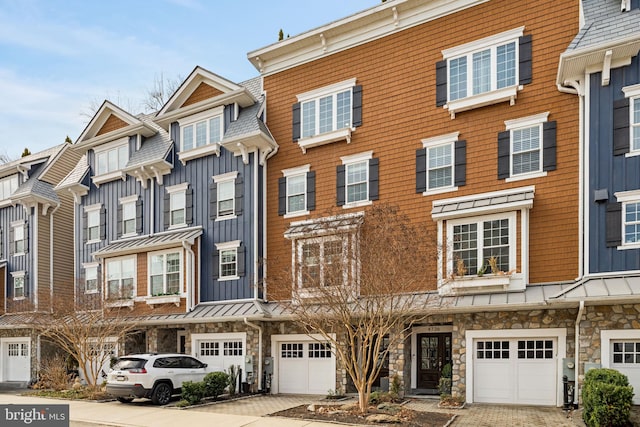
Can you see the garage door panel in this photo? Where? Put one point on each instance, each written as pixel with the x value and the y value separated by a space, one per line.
pixel 17 361
pixel 492 381
pixel 305 368
pixel 535 383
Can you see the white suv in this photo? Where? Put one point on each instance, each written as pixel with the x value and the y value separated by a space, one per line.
pixel 153 376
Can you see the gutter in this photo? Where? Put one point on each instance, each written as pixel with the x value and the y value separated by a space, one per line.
pixel 190 273
pixel 259 328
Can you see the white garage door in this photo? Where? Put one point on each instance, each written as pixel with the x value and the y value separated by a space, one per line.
pixel 16 361
pixel 305 368
pixel 515 371
pixel 220 354
pixel 625 357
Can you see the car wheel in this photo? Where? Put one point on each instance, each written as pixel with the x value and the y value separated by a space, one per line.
pixel 161 394
pixel 125 399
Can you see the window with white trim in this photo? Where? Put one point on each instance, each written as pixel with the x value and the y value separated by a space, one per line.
pixel 120 276
pixel 91 278
pixel 626 119
pixel 626 352
pixel 165 269
pixel 476 243
pixel 176 205
pixel 129 214
pixel 112 157
pixel 441 164
pixel 635 124
pixel 357 180
pixel 201 129
pixel 225 195
pixel 19 239
pixel 7 186
pixel 93 223
pixel 19 282
pixel 322 261
pixel 527 149
pixel 484 71
pixel 326 111
pixel 229 260
pixel 629 209
pixel 296 191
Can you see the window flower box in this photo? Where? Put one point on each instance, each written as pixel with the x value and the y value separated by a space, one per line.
pixel 163 299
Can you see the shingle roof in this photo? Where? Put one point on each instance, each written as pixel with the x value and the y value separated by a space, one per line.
pixel 47 154
pixel 153 149
pixel 247 123
pixel 605 22
pixel 34 187
pixel 77 174
pixel 254 86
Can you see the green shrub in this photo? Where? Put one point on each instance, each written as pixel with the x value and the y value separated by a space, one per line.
pixel 606 397
pixel 215 383
pixel 193 392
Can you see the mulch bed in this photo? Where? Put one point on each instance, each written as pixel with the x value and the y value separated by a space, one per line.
pixel 409 417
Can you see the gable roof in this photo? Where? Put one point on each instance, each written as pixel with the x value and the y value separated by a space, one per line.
pixel 109 123
pixel 221 91
pixel 27 162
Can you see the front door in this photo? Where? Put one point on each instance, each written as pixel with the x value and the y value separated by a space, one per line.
pixel 434 351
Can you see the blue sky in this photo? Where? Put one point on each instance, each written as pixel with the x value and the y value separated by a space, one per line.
pixel 58 58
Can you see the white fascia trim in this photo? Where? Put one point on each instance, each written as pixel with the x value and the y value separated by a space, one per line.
pixel 481 44
pixel 296 171
pixel 355 158
pixel 627 196
pixel 219 336
pixel 229 176
pixel 441 139
pixel 633 90
pixel 234 244
pixel 528 121
pixel 177 188
pixel 327 90
pixel 94 207
pixel 559 333
pixel 128 199
pixel 213 112
pixel 111 145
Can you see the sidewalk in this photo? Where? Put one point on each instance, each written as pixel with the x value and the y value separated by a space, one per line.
pixel 116 414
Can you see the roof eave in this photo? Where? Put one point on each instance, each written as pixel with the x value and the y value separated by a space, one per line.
pixel 141 128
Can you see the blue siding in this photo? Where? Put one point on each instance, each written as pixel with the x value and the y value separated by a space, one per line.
pixel 8 215
pixel 606 171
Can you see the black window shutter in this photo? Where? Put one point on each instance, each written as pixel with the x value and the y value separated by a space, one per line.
pixel 239 195
pixel 620 127
pixel 85 227
pixel 340 185
pixel 311 190
pixel 282 195
pixel 296 122
pixel 188 205
pixel 213 200
pixel 215 267
pixel 240 260
pixel 1 243
pixel 120 225
pixel 374 166
pixel 12 245
pixel 421 170
pixel 103 223
pixel 139 216
pixel 167 211
pixel 526 59
pixel 357 106
pixel 26 237
pixel 504 154
pixel 441 83
pixel 460 165
pixel 549 146
pixel 614 225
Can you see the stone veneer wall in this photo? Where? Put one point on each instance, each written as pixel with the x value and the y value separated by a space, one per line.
pixel 534 319
pixel 598 318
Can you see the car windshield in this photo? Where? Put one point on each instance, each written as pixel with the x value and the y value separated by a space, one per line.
pixel 128 363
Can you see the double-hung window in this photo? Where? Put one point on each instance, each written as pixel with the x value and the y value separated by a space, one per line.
pixel 19 281
pixel 19 238
pixel 129 214
pixel 91 278
pixel 201 134
pixel 296 191
pixel 441 164
pixel 478 242
pixel 527 149
pixel 357 180
pixel 229 260
pixel 164 273
pixel 121 277
pixel 94 223
pixel 7 186
pixel 625 220
pixel 626 118
pixel 484 72
pixel 327 114
pixel 225 197
pixel 321 262
pixel 178 206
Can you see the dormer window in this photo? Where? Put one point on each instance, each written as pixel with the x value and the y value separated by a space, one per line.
pixel 200 134
pixel 110 160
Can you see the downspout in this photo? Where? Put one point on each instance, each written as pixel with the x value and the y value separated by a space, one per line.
pixel 577 351
pixel 255 226
pixel 51 278
pixel 259 328
pixel 264 231
pixel 152 225
pixel 32 248
pixel 190 274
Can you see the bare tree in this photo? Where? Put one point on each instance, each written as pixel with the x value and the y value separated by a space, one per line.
pixel 160 93
pixel 86 331
pixel 364 286
pixel 5 158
